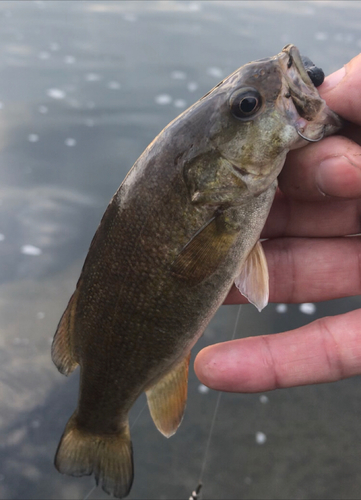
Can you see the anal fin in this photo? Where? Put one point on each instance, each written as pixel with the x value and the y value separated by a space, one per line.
pixel 253 281
pixel 167 398
pixel 61 349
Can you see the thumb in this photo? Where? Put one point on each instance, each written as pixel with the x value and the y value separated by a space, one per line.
pixel 342 90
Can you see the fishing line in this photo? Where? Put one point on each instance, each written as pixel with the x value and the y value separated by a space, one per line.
pixel 196 492
pixel 131 427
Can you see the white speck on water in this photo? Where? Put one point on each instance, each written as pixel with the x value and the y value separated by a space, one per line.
pixel 308 308
pixel 2 237
pixel 178 75
pixel 35 424
pixel 31 250
pixel 56 93
pixel 89 122
pixel 281 308
pixel 192 86
pixel 92 77
pixel 321 36
pixel 70 142
pixel 261 438
pixel 248 480
pixel 74 103
pixel 54 46
pixel 180 103
pixel 40 315
pixel 131 18
pixel 33 137
pixel 203 389
pixel 163 99
pixel 214 71
pixel 263 399
pixel 69 59
pixel 113 85
pixel 43 109
pixel 43 55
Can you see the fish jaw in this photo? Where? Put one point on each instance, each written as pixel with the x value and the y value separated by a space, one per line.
pixel 311 116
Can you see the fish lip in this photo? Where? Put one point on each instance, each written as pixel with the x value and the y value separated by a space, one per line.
pixel 311 109
pixel 296 59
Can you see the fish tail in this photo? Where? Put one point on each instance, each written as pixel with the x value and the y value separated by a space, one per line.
pixel 108 457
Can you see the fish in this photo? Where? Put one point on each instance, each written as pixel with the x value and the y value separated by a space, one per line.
pixel 183 226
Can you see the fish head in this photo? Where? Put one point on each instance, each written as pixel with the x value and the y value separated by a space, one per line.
pixel 267 108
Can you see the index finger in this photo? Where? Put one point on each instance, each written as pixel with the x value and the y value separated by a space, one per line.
pixel 326 350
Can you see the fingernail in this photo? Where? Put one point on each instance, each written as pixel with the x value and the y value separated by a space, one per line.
pixel 338 176
pixel 334 79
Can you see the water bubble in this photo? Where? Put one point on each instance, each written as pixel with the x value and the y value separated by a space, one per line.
pixel 92 77
pixel 261 437
pixel 281 308
pixel 216 72
pixel 308 308
pixel 131 18
pixel 69 59
pixel 263 399
pixel 35 424
pixel 70 142
pixel 54 46
pixel 89 122
pixel 2 237
pixel 163 99
pixel 178 75
pixel 43 109
pixel 56 93
pixel 33 137
pixel 192 86
pixel 113 85
pixel 43 55
pixel 203 389
pixel 30 250
pixel 180 103
pixel 320 36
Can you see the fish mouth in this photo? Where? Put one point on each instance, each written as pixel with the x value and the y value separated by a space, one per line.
pixel 314 118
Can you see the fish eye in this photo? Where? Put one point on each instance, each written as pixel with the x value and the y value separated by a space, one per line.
pixel 245 103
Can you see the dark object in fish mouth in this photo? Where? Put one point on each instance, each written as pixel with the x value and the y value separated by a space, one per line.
pixel 316 74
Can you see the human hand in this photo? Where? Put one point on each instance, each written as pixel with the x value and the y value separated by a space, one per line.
pixel 309 260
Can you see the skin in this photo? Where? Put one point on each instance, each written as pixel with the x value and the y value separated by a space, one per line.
pixel 319 197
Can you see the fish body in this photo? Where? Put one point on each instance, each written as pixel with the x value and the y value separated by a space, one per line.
pixel 183 226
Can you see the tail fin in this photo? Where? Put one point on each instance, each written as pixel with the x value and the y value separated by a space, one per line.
pixel 108 457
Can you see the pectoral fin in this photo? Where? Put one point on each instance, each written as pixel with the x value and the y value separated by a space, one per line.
pixel 253 281
pixel 62 349
pixel 205 251
pixel 167 398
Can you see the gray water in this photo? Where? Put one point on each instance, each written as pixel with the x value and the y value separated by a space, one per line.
pixel 84 87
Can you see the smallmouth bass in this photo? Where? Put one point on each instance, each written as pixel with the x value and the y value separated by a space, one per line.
pixel 183 226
